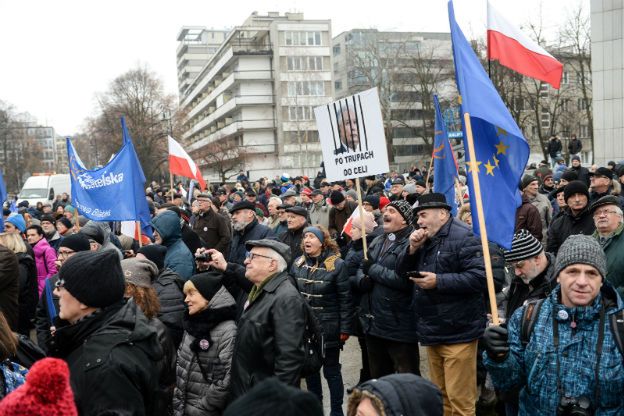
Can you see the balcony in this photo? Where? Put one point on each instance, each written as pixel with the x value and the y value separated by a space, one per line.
pixel 229 130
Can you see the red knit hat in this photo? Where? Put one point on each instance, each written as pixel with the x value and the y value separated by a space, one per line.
pixel 46 392
pixel 383 201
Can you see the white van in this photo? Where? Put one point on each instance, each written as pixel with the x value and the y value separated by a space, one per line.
pixel 42 188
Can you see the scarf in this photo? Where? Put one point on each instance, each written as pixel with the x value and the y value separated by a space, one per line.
pixel 256 290
pixel 200 324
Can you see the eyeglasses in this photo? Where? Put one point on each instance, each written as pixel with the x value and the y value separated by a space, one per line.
pixel 599 213
pixel 59 283
pixel 65 254
pixel 517 264
pixel 252 256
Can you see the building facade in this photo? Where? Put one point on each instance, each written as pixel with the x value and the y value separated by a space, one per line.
pixel 250 106
pixel 607 47
pixel 407 68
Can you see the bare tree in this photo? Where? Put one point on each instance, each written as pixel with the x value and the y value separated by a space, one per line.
pixel 225 157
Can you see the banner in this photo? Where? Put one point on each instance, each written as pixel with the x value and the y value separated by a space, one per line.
pixel 114 192
pixel 352 137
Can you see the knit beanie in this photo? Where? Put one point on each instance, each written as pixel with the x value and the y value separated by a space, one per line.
pixel 66 222
pixel 207 283
pixel 76 242
pixel 575 187
pixel 581 249
pixel 405 209
pixel 316 232
pixel 526 180
pixel 93 230
pixel 46 392
pixel 18 221
pixel 569 175
pixel 140 272
pixel 94 278
pixel 155 253
pixel 373 200
pixel 524 246
pixel 49 218
pixel 271 396
pixel 336 197
pixel 369 222
pixel 352 194
pixel 383 202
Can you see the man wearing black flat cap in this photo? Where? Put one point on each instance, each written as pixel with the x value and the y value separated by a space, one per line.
pixel 601 185
pixel 396 190
pixel 245 227
pixel 446 264
pixel 271 329
pixel 297 220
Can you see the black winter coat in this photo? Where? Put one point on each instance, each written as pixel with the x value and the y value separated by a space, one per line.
pixel 9 287
pixel 113 358
pixel 539 288
pixel 168 289
pixel 565 224
pixel 554 147
pixel 386 310
pixel 293 240
pixel 43 321
pixel 166 369
pixel 454 311
pixel 270 337
pixel 324 283
pixel 253 231
pixel 28 293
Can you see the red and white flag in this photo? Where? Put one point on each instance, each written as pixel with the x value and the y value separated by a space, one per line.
pixel 349 224
pixel 515 50
pixel 180 163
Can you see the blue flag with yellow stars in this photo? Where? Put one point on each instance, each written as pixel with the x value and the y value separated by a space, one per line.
pixel 444 165
pixel 500 147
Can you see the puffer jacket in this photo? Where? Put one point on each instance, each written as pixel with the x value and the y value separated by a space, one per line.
pixel 9 286
pixel 386 311
pixel 178 257
pixel 324 282
pixel 567 224
pixel 28 297
pixel 45 256
pixel 171 297
pixel 205 359
pixel 253 231
pixel 270 337
pixel 113 357
pixel 454 311
pixel 533 369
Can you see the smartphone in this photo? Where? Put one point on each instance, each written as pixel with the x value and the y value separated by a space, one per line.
pixel 415 274
pixel 203 257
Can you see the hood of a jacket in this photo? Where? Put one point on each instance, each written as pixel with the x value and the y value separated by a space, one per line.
pixel 221 299
pixel 405 394
pixel 168 226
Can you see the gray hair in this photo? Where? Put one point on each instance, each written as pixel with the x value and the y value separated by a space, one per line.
pixel 281 263
pixel 276 199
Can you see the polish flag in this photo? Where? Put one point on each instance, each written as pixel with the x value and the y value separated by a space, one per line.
pixel 515 50
pixel 349 224
pixel 180 163
pixel 132 229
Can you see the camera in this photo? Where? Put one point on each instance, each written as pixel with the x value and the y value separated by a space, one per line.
pixel 203 257
pixel 574 406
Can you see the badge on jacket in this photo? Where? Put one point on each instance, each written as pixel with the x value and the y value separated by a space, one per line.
pixel 204 344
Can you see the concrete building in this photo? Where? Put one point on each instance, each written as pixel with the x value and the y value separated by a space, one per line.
pixel 62 165
pixel 195 48
pixel 406 67
pixel 250 107
pixel 607 48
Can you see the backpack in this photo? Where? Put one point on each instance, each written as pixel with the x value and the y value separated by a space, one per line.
pixel 531 312
pixel 313 343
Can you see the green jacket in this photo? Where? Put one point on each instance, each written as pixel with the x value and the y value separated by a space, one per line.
pixel 614 250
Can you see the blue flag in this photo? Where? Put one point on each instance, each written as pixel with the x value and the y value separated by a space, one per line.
pixel 3 197
pixel 500 147
pixel 113 192
pixel 444 166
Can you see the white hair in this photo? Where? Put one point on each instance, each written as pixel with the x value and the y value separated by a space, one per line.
pixel 275 199
pixel 281 263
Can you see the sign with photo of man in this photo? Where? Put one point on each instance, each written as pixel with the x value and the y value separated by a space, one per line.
pixel 352 136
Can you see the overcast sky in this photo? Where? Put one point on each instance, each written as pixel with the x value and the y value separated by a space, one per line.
pixel 56 55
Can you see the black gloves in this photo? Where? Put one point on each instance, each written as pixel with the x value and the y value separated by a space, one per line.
pixel 366 284
pixel 366 265
pixel 496 342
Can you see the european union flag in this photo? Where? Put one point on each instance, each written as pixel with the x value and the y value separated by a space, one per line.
pixel 500 147
pixel 444 165
pixel 3 197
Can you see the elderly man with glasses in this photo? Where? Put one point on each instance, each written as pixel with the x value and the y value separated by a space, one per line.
pixel 609 225
pixel 270 335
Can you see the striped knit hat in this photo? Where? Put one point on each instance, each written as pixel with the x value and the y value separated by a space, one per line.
pixel 524 246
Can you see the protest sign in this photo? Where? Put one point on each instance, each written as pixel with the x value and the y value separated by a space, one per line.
pixel 352 136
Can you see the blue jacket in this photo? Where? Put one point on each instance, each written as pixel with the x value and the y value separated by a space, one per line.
pixel 533 368
pixel 178 258
pixel 454 311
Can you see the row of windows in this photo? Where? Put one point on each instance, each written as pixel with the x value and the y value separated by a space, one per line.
pixel 301 137
pixel 303 38
pixel 301 88
pixel 305 63
pixel 301 113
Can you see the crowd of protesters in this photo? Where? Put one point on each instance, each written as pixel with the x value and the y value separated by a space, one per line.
pixel 220 311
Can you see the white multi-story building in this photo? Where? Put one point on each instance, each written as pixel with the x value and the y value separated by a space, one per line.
pixel 250 107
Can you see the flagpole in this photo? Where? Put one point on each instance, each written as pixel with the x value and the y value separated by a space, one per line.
pixel 429 171
pixel 138 225
pixel 363 226
pixel 481 218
